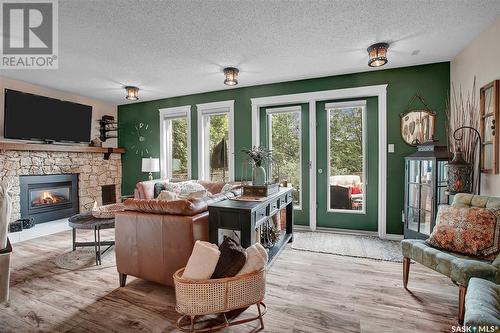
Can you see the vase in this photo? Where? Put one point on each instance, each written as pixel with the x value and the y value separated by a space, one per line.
pixel 259 176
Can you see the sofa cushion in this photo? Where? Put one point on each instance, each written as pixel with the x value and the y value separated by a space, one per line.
pixel 175 207
pixel 482 304
pixel 473 231
pixel 471 200
pixel 459 268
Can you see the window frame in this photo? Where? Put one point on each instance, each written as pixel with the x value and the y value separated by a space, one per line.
pixel 345 105
pixel 287 109
pixel 205 110
pixel 166 145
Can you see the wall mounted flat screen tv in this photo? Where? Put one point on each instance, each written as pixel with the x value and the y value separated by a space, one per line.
pixel 33 117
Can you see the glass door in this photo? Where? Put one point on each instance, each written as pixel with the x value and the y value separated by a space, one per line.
pixel 347 164
pixel 285 130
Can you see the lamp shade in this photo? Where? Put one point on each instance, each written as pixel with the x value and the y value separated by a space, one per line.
pixel 150 164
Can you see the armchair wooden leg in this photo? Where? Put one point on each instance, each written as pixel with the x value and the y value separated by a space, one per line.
pixel 406 271
pixel 461 304
pixel 123 279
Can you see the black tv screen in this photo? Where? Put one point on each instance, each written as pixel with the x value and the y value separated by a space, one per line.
pixel 28 116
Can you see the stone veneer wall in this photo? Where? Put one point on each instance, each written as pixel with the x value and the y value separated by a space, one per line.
pixel 94 171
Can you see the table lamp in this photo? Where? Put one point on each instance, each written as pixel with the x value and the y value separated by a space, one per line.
pixel 150 165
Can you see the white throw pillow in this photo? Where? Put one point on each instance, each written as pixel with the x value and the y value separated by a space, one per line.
pixel 202 262
pixel 190 187
pixel 257 258
pixel 167 196
pixel 195 195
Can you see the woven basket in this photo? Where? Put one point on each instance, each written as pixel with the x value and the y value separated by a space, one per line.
pixel 201 297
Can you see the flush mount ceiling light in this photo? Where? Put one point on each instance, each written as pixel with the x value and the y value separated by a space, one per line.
pixel 377 54
pixel 231 76
pixel 132 93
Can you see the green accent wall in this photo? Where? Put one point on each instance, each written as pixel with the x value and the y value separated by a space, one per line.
pixel 432 81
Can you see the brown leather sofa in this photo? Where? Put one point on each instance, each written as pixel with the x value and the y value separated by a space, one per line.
pixel 155 238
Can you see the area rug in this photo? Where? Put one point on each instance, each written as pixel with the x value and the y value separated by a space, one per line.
pixel 348 245
pixel 84 259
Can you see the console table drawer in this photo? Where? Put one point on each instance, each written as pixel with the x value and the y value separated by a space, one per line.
pixel 261 214
pixel 273 207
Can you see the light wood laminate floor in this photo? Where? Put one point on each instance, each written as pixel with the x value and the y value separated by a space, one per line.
pixel 307 292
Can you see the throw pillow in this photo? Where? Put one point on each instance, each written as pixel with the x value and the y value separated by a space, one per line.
pixel 227 187
pixel 231 261
pixel 158 187
pixel 107 211
pixel 472 231
pixel 190 187
pixel 202 262
pixel 257 258
pixel 167 196
pixel 195 195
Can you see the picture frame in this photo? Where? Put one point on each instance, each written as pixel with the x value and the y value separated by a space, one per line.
pixel 489 117
pixel 417 124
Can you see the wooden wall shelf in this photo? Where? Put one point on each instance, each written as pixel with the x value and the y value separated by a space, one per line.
pixel 21 146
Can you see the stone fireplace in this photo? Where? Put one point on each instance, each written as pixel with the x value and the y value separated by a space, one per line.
pixel 92 169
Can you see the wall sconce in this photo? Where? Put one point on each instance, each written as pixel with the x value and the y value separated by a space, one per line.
pixel 377 54
pixel 231 76
pixel 132 93
pixel 461 172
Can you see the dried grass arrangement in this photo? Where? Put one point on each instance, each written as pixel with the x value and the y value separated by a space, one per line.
pixel 464 111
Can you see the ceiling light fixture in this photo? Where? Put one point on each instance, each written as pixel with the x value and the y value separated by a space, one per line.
pixel 132 93
pixel 231 76
pixel 377 54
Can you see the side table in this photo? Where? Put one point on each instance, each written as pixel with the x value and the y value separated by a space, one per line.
pixel 89 222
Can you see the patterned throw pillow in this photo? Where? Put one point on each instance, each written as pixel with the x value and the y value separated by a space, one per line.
pixel 472 231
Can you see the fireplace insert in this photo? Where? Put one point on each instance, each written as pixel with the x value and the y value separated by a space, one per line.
pixel 49 197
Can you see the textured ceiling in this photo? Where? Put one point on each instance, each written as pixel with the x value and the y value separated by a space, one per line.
pixel 172 48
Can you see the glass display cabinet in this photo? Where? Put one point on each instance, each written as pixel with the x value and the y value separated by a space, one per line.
pixel 425 188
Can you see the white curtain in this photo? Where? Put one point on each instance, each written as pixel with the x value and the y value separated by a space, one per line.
pixel 5 214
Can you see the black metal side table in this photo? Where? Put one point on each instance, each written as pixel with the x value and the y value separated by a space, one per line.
pixel 89 222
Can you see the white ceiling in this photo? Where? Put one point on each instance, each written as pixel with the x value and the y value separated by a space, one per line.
pixel 173 48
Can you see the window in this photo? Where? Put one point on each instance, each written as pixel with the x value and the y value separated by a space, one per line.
pixel 346 156
pixel 216 141
pixel 175 142
pixel 284 139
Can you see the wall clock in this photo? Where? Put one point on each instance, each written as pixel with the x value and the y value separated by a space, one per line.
pixel 142 136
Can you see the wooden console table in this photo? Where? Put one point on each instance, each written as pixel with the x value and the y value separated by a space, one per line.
pixel 247 216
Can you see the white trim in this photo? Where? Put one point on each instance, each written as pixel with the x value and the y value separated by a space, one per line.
pixel 379 91
pixel 288 109
pixel 285 109
pixel 338 231
pixel 348 104
pixel 344 105
pixel 165 145
pixel 207 109
pixel 394 237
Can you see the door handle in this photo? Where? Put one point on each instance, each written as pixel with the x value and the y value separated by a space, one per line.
pixel 320 171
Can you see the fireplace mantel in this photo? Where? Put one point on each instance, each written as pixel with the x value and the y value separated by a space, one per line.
pixel 21 146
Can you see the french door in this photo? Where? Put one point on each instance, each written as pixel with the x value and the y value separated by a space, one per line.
pixel 285 130
pixel 347 164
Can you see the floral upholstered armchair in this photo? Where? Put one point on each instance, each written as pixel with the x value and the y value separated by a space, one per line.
pixel 459 268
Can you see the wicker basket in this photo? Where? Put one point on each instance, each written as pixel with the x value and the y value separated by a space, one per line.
pixel 202 297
